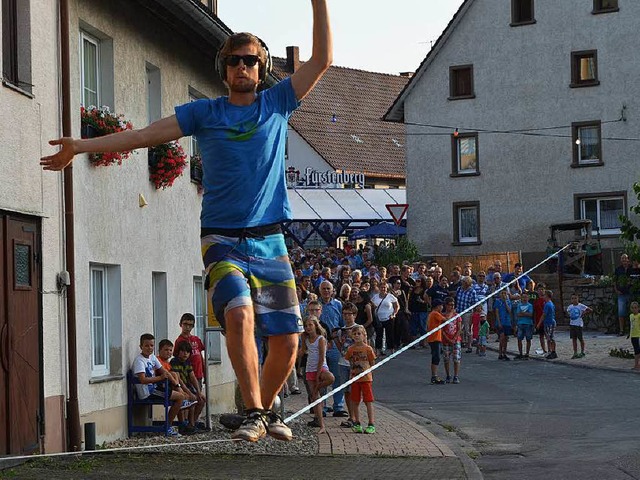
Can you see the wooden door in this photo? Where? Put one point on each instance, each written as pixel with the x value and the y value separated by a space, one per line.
pixel 4 348
pixel 22 337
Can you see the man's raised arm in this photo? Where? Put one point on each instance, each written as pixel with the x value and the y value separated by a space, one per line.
pixel 306 77
pixel 159 132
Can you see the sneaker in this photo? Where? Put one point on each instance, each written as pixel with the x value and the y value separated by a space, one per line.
pixel 437 381
pixel 554 355
pixel 357 428
pixel 253 428
pixel 575 355
pixel 456 380
pixel 276 428
pixel 526 356
pixel 340 413
pixel 468 350
pixel 448 379
pixel 370 429
pixel 295 391
pixel 518 357
pixel 506 358
pixel 500 357
pixel 348 423
pixel 328 409
pixel 581 354
pixel 173 432
pixel 187 404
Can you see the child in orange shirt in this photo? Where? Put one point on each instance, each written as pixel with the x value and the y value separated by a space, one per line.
pixel 435 339
pixel 361 357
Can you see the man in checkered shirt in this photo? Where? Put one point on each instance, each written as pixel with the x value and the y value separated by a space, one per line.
pixel 466 297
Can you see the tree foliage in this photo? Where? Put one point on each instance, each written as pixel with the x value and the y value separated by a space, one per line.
pixel 630 231
pixel 404 249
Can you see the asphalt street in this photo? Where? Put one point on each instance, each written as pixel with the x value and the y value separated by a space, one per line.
pixel 526 419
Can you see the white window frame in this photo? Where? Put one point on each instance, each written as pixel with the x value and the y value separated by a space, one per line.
pixel 91 39
pixel 598 200
pixel 99 370
pixel 199 306
pixel 588 161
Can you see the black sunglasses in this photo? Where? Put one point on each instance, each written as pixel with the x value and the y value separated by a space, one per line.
pixel 248 60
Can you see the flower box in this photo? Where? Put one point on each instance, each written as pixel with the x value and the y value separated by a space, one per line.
pixel 166 164
pixel 96 122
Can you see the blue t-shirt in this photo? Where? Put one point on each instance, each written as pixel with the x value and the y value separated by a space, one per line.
pixel 549 313
pixel 524 308
pixel 242 151
pixel 500 306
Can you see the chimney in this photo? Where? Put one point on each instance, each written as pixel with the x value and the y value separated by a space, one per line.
pixel 293 59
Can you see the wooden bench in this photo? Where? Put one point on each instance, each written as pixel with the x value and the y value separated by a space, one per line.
pixel 150 401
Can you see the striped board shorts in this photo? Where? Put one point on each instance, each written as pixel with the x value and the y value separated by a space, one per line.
pixel 251 272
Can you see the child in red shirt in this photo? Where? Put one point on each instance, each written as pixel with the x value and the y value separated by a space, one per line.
pixel 187 323
pixel 476 319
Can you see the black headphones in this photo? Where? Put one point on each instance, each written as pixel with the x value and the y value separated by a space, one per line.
pixel 265 70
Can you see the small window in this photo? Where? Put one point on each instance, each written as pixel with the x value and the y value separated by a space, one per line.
pixel 603 210
pixel 199 306
pixel 99 322
pixel 159 299
pixel 466 223
pixel 605 6
pixel 461 82
pixel 96 68
pixel 464 154
pixel 154 93
pixel 584 69
pixel 90 59
pixel 587 144
pixel 522 12
pixel 106 320
pixel 16 44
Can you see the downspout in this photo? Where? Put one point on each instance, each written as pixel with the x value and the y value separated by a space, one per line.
pixel 74 438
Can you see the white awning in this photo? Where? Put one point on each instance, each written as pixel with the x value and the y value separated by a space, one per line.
pixel 338 204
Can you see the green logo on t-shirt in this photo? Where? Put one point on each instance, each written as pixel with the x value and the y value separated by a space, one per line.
pixel 243 132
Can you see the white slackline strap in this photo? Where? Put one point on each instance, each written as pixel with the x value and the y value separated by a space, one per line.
pixel 112 450
pixel 414 342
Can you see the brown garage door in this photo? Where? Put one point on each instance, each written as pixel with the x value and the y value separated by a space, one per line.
pixel 20 334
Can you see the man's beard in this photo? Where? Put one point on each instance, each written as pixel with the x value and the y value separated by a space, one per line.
pixel 247 86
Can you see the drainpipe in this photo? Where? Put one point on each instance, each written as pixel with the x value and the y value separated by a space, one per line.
pixel 74 438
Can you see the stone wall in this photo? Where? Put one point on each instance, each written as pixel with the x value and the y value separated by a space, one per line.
pixel 601 299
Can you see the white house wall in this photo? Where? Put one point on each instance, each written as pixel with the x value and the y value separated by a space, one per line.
pixel 521 77
pixel 111 228
pixel 302 155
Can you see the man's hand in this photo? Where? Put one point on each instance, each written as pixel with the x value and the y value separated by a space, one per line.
pixel 64 157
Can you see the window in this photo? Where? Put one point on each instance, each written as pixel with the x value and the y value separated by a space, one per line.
pixel 16 45
pixel 605 6
pixel 90 71
pixel 464 148
pixel 603 209
pixel 466 223
pixel 199 306
pixel 584 69
pixel 522 12
pixel 159 298
pixel 461 82
pixel 154 93
pixel 195 95
pixel 587 144
pixel 96 68
pixel 106 321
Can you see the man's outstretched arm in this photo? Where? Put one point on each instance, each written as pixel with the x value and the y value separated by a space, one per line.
pixel 310 72
pixel 159 132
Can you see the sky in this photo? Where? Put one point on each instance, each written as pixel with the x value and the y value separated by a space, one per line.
pixel 374 35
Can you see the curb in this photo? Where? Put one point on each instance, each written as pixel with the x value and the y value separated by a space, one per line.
pixel 571 364
pixel 471 470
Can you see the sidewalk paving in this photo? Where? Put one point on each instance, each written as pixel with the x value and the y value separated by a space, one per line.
pixel 396 436
pixel 597 348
